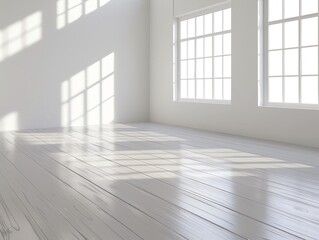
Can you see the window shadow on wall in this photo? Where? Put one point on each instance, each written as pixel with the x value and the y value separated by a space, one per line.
pixel 20 35
pixel 69 11
pixel 88 96
pixel 33 79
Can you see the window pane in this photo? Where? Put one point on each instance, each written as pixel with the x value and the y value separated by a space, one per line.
pixel 208 47
pixel 183 72
pixel 191 27
pixel 291 62
pixel 191 49
pixel 227 89
pixel 275 89
pixel 275 36
pixel 309 6
pixel 291 34
pixel 183 88
pixel 183 50
pixel 309 31
pixel 275 63
pixel 208 68
pixel 183 29
pixel 208 23
pixel 191 89
pixel 227 43
pixel 227 19
pixel 218 89
pixel 200 68
pixel 227 67
pixel 200 26
pixel 191 69
pixel 218 21
pixel 200 89
pixel 275 10
pixel 218 45
pixel 309 90
pixel 200 47
pixel 309 58
pixel 291 90
pixel 218 67
pixel 291 8
pixel 209 89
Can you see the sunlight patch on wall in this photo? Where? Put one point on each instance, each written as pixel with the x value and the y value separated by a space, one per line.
pixel 69 11
pixel 88 96
pixel 19 35
pixel 9 122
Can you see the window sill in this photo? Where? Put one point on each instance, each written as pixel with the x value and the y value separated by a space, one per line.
pixel 292 106
pixel 214 102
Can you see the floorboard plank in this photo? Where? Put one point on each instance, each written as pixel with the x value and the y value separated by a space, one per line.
pixel 151 181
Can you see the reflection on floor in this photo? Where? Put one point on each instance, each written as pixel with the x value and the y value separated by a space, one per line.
pixel 148 181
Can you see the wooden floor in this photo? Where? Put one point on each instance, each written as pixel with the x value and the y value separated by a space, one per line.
pixel 148 181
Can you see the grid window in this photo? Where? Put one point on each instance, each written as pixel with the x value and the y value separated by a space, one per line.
pixel 290 56
pixel 204 56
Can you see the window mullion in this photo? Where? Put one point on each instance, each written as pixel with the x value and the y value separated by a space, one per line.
pixel 318 56
pixel 265 52
pixel 204 45
pixel 179 60
pixel 260 53
pixel 283 53
pixel 195 59
pixel 223 56
pixel 299 53
pixel 213 57
pixel 187 60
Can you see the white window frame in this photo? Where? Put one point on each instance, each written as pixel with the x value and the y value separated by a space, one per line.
pixel 177 91
pixel 263 58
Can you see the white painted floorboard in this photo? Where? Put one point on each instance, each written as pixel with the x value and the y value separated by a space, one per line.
pixel 150 181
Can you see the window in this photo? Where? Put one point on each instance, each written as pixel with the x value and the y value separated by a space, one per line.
pixel 290 53
pixel 204 56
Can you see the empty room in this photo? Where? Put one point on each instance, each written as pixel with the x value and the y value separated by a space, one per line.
pixel 159 120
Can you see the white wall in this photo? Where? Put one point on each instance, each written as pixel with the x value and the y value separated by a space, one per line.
pixel 243 117
pixel 182 7
pixel 36 69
